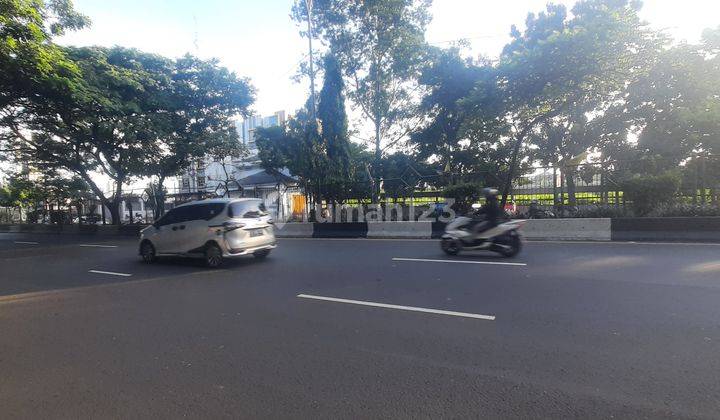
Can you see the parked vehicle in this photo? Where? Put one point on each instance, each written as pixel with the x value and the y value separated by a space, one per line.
pixel 536 212
pixel 212 230
pixel 91 219
pixel 505 238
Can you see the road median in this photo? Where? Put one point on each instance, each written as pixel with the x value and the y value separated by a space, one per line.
pixel 686 229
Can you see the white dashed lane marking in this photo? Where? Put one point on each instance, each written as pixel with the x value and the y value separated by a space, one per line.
pixel 111 273
pixel 98 246
pixel 399 307
pixel 460 261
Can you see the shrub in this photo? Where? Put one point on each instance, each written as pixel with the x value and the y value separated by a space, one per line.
pixel 648 192
pixel 464 195
pixel 601 211
pixel 685 210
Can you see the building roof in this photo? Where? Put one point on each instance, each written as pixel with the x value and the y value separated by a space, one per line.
pixel 266 177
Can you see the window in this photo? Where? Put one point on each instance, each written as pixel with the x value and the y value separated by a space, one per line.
pixel 168 219
pixel 184 214
pixel 207 211
pixel 247 209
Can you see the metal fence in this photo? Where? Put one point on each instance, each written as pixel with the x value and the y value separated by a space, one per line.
pixel 564 189
pixel 555 188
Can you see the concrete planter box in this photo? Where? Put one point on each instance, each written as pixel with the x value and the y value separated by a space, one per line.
pixel 294 230
pixel 340 230
pixel 703 229
pixel 568 229
pixel 399 229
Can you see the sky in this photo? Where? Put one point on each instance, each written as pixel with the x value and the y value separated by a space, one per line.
pixel 257 38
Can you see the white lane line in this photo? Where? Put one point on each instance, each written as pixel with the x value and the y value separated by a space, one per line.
pixel 400 307
pixel 27 242
pixel 98 246
pixel 110 273
pixel 460 261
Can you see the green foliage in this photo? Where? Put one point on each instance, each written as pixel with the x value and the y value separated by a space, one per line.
pixel 29 62
pixel 201 101
pixel 333 119
pixel 601 212
pixel 463 130
pixel 464 194
pixel 686 210
pixel 380 46
pixel 647 192
pixel 562 68
pixel 130 114
pixel 156 194
pixel 298 147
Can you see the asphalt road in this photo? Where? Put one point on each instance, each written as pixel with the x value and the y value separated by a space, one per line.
pixel 567 330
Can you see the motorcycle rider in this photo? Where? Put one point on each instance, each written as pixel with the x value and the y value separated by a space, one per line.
pixel 490 210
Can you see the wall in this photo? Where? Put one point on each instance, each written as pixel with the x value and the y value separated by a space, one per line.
pixel 693 229
pixel 568 229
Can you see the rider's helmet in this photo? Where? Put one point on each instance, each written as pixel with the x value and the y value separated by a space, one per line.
pixel 490 193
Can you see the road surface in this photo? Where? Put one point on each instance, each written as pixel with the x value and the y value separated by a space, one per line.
pixel 358 329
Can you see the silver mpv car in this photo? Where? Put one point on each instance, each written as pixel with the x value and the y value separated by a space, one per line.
pixel 210 229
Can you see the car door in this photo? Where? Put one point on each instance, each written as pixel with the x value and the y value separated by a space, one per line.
pixel 192 229
pixel 163 234
pixel 177 232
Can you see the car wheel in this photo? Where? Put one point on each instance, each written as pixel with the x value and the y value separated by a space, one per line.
pixel 147 252
pixel 213 256
pixel 261 254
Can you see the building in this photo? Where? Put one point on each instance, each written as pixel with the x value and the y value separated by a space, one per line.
pixel 246 177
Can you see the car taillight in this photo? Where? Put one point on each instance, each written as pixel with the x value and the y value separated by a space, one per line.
pixel 228 226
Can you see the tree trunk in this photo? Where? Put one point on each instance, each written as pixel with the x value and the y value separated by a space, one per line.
pixel 159 198
pixel 130 212
pixel 511 170
pixel 570 182
pixel 114 207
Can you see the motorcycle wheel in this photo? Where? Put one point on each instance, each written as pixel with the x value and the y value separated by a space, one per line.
pixel 450 246
pixel 512 240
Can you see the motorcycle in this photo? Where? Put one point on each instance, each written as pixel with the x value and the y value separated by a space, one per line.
pixel 505 238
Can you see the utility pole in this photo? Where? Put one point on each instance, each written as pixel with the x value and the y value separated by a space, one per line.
pixel 309 5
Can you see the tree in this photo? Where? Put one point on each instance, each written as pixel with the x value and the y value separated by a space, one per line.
pixel 102 125
pixel 18 193
pixel 673 109
pixel 156 194
pixel 298 147
pixel 558 63
pixel 465 131
pixel 29 62
pixel 201 101
pixel 563 142
pixel 333 117
pixel 380 45
pixel 223 150
pixel 131 114
pixel 334 130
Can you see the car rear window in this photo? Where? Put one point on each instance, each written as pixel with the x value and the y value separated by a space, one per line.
pixel 247 209
pixel 211 210
pixel 205 211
